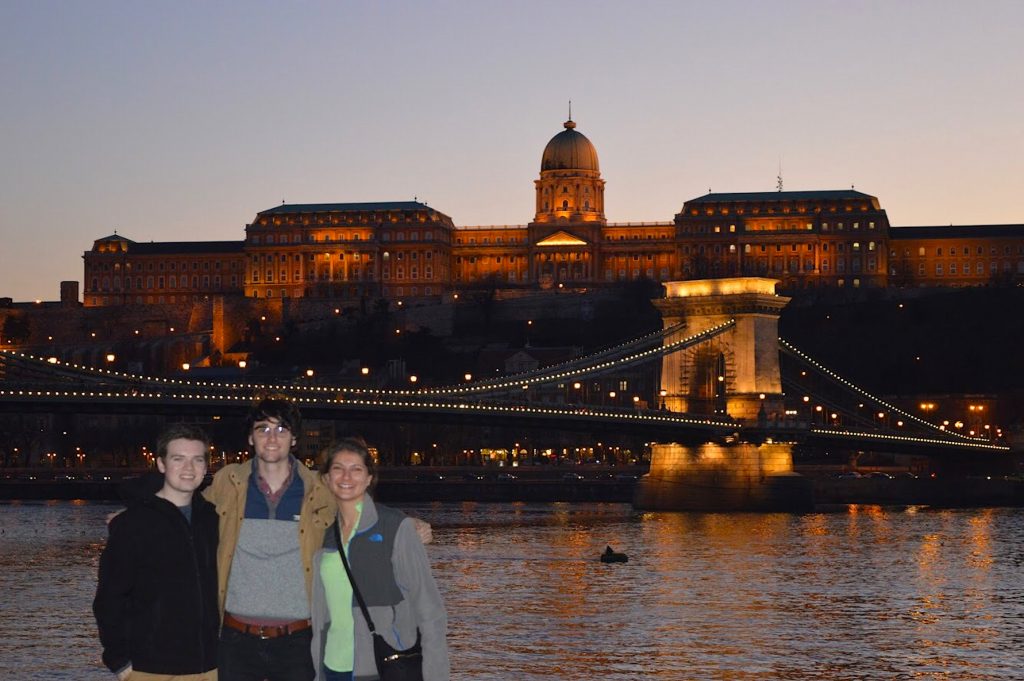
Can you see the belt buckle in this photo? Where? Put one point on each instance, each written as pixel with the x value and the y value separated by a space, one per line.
pixel 263 636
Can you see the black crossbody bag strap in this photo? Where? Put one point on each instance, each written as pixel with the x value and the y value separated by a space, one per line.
pixel 352 580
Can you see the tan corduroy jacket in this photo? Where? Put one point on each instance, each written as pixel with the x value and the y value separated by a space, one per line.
pixel 227 493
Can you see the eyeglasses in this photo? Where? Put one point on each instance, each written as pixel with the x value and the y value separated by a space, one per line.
pixel 267 429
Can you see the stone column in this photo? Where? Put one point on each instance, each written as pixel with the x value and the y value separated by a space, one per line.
pixel 753 383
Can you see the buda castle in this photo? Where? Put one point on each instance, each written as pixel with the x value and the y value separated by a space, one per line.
pixel 408 250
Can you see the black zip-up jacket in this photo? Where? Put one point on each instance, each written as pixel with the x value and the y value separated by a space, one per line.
pixel 156 600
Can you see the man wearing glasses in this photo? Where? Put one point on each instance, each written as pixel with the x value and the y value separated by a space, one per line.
pixel 273 513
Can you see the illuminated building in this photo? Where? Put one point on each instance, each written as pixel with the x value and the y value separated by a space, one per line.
pixel 977 255
pixel 119 271
pixel 348 250
pixel 406 249
pixel 806 239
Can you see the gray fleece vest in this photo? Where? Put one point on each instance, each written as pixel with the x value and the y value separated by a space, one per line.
pixel 369 556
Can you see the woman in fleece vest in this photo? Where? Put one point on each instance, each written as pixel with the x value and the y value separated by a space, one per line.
pixel 390 566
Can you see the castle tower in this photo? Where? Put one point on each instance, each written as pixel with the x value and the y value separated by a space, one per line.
pixel 566 228
pixel 570 188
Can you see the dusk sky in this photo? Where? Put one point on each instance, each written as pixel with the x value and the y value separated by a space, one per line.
pixel 178 121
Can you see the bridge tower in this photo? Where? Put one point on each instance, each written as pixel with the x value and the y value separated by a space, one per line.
pixel 737 372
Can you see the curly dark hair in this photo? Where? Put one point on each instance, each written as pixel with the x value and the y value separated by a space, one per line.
pixel 279 407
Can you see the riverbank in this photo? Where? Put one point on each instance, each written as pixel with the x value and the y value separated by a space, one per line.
pixel 564 484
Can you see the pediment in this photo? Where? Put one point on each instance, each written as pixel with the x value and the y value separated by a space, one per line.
pixel 562 238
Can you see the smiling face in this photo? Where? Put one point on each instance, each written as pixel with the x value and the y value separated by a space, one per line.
pixel 348 476
pixel 183 467
pixel 271 440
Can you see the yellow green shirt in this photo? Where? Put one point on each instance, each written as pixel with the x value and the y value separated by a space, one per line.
pixel 339 654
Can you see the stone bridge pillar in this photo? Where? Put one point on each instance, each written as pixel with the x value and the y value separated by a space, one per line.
pixel 736 372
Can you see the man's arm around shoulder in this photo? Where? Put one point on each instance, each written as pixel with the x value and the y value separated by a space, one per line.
pixel 221 488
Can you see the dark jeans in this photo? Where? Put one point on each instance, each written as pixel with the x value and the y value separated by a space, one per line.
pixel 331 675
pixel 242 657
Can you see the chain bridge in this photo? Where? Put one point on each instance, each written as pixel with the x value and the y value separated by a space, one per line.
pixel 715 372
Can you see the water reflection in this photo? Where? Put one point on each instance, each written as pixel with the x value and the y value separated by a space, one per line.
pixel 864 592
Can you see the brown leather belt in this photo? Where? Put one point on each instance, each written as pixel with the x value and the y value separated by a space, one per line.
pixel 265 631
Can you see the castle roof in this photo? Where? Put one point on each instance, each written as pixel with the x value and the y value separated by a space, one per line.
pixel 815 195
pixel 956 231
pixel 374 206
pixel 569 150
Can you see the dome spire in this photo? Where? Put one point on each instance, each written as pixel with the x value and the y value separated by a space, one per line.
pixel 569 124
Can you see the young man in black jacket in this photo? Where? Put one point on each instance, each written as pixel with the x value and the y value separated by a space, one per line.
pixel 156 600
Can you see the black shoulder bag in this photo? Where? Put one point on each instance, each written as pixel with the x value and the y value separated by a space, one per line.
pixel 392 665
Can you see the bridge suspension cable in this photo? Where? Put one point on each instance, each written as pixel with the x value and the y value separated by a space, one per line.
pixel 589 365
pixel 835 379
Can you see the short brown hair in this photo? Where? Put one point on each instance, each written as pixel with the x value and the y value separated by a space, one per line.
pixel 182 431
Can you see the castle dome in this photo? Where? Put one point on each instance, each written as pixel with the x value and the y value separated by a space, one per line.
pixel 569 150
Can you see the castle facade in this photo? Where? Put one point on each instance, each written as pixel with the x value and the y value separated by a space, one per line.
pixel 406 249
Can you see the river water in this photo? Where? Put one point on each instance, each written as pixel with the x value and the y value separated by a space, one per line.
pixel 860 592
